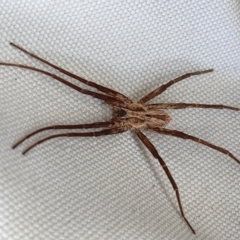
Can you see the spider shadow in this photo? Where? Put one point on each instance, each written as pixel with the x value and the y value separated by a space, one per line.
pixel 155 171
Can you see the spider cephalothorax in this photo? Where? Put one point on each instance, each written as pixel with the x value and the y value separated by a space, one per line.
pixel 126 115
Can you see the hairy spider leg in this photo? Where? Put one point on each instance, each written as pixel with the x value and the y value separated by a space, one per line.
pixel 188 105
pixel 154 152
pixel 185 136
pixel 89 83
pixel 165 86
pixel 109 99
pixel 109 131
pixel 55 127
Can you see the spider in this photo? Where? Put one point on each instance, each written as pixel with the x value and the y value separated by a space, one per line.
pixel 126 115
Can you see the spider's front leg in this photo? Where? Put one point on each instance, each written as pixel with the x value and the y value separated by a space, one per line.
pixel 106 90
pixel 56 127
pixel 109 131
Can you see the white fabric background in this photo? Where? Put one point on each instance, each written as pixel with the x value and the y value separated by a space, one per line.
pixel 111 187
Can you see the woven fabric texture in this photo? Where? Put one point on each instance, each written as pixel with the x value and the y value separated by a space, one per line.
pixel 112 187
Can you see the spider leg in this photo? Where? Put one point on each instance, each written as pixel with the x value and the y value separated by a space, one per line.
pixel 109 99
pixel 183 135
pixel 109 131
pixel 154 152
pixel 106 90
pixel 55 127
pixel 188 105
pixel 165 86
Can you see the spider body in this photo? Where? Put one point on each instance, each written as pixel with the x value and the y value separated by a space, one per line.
pixel 137 116
pixel 126 115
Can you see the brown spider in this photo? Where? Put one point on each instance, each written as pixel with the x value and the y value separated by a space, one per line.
pixel 127 115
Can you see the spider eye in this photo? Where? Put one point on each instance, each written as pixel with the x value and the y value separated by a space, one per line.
pixel 118 112
pixel 121 113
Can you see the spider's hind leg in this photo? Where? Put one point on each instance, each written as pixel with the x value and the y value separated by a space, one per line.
pixel 189 105
pixel 154 152
pixel 186 136
pixel 165 86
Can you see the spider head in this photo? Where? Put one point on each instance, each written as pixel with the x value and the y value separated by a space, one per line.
pixel 119 112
